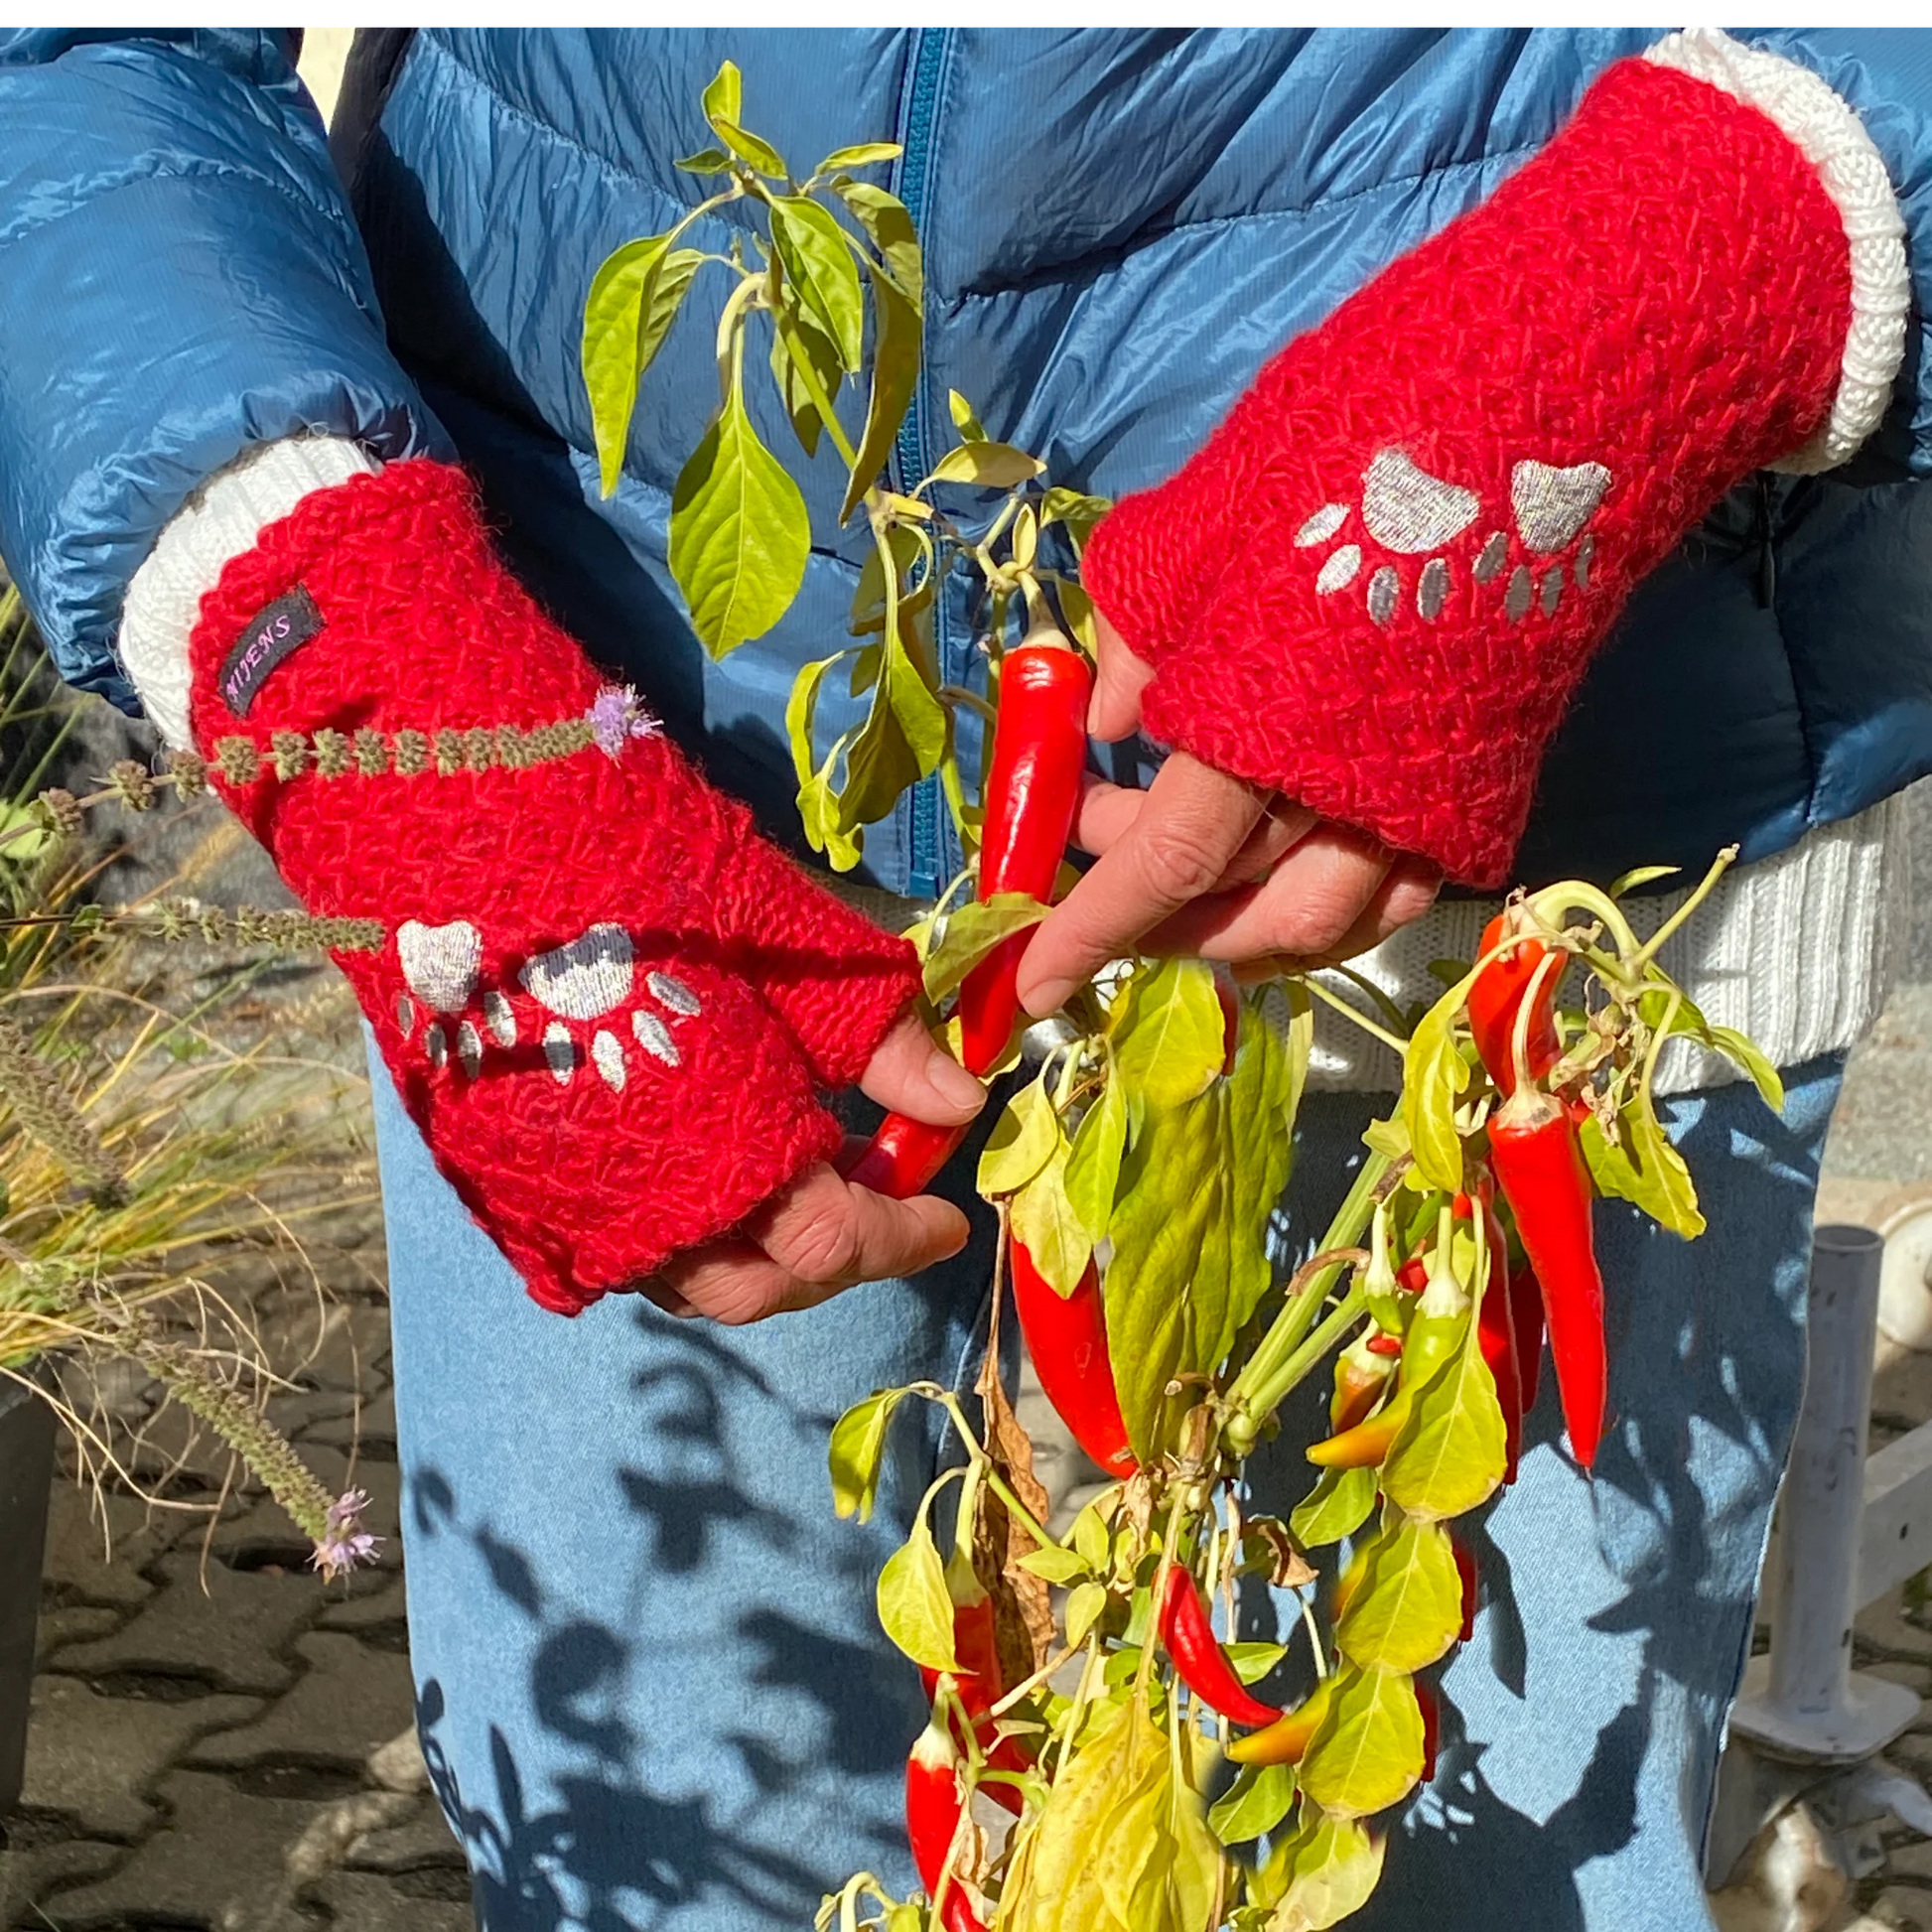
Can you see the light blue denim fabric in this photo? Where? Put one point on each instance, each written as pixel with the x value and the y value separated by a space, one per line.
pixel 653 1694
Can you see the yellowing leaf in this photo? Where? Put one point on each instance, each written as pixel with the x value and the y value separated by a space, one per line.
pixel 862 154
pixel 858 1444
pixel 1256 1802
pixel 885 219
pixel 819 265
pixel 1168 1035
pixel 990 465
pixel 1022 1142
pixel 634 300
pixel 1450 1455
pixel 1094 1162
pixel 722 98
pixel 1337 1506
pixel 1044 1223
pixel 797 344
pixel 1330 1868
pixel 1433 1075
pixel 913 1605
pixel 963 418
pixel 1408 1607
pixel 1084 1603
pixel 972 931
pixel 740 534
pixel 1367 1752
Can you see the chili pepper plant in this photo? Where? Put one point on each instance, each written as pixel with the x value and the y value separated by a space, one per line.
pixel 1136 1776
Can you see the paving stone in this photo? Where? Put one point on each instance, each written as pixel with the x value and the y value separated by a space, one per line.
pixel 304 1410
pixel 217 1862
pixel 423 1844
pixel 90 1757
pixel 230 1635
pixel 31 1873
pixel 75 1624
pixel 86 1564
pixel 371 1603
pixel 341 1344
pixel 357 1901
pixel 349 1699
pixel 1888 1627
pixel 375 1425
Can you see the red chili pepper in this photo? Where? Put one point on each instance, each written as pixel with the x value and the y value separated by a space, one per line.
pixel 1497 994
pixel 1497 1333
pixel 901 1159
pixel 1362 1373
pixel 1538 1160
pixel 1201 1662
pixel 981 1685
pixel 1033 788
pixel 1286 1741
pixel 1413 1275
pixel 1466 1568
pixel 934 1805
pixel 1068 1340
pixel 1526 1312
pixel 1429 1703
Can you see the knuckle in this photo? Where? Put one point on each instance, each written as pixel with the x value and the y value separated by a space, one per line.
pixel 824 1247
pixel 1181 861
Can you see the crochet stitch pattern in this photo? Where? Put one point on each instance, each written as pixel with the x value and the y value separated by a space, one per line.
pixel 604 999
pixel 1377 585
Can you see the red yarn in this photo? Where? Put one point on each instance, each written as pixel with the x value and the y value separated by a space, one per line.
pixel 585 1184
pixel 1664 291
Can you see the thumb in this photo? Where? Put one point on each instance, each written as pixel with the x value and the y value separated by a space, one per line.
pixel 1119 679
pixel 908 1074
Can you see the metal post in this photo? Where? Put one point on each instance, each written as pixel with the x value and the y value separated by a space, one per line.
pixel 1804 1703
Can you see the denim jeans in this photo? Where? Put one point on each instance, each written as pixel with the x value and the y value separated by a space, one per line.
pixel 653 1693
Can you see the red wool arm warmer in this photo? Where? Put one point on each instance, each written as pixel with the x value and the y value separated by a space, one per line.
pixel 605 1000
pixel 1377 585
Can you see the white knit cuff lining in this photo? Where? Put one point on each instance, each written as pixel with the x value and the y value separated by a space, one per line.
pixel 220 520
pixel 1833 139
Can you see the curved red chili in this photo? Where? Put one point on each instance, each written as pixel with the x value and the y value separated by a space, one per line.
pixel 1493 1003
pixel 1526 1312
pixel 1199 1660
pixel 904 1157
pixel 935 1802
pixel 1067 1340
pixel 981 1683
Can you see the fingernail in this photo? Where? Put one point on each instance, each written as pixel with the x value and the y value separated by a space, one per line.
pixel 953 1085
pixel 1046 998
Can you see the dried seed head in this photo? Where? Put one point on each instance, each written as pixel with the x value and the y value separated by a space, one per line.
pixel 237 760
pixel 371 753
pixel 413 754
pixel 133 783
pixel 332 754
pixel 479 748
pixel 290 751
pixel 189 769
pixel 59 811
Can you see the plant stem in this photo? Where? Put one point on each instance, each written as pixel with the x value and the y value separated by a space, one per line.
pixel 802 364
pixel 1270 1394
pixel 1654 944
pixel 1368 1026
pixel 1017 1511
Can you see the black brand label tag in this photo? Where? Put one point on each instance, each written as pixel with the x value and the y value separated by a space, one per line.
pixel 271 633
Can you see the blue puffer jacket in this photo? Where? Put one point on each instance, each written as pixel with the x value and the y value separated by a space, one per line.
pixel 1120 228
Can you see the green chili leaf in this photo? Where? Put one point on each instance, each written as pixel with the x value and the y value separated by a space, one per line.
pixel 1076 607
pixel 913 1605
pixel 864 154
pixel 1449 1453
pixel 1337 1506
pixel 1055 1565
pixel 886 220
pixel 1367 1752
pixel 1093 1163
pixel 1252 1661
pixel 722 98
pixel 1641 1167
pixel 896 354
pixel 800 337
pixel 1433 1075
pixel 1747 1055
pixel 858 1445
pixel 1022 1142
pixel 760 156
pixel 1091 1537
pixel 1084 1603
pixel 707 161
pixel 963 418
pixel 1077 511
pixel 1326 1874
pixel 1256 1802
pixel 819 264
pixel 973 930
pixel 634 300
pixel 740 532
pixel 990 465
pixel 1407 1610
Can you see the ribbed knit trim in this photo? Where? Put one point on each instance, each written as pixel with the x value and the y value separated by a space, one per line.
pixel 1853 173
pixel 1797 952
pixel 219 521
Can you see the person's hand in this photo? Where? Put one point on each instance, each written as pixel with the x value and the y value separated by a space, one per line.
pixel 1210 865
pixel 820 1234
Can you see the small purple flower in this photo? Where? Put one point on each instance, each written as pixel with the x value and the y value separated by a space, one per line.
pixel 345 1542
pixel 617 714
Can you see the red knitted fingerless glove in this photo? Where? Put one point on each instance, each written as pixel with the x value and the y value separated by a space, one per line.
pixel 1377 585
pixel 604 999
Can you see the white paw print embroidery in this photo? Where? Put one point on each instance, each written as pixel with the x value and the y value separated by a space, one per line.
pixel 592 978
pixel 1407 511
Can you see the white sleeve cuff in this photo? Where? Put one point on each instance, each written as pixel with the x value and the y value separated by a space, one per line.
pixel 220 520
pixel 1853 173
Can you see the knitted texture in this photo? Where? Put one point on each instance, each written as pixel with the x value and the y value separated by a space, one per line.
pixel 1379 583
pixel 604 999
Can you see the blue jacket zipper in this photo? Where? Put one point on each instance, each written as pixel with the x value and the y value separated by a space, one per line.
pixel 927 864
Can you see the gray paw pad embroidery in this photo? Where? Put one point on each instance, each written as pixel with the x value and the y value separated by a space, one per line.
pixel 1406 512
pixel 588 979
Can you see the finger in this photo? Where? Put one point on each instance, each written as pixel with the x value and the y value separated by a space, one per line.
pixel 1404 896
pixel 1194 821
pixel 908 1074
pixel 828 1234
pixel 732 1280
pixel 1307 906
pixel 1107 813
pixel 1119 679
pixel 667 1298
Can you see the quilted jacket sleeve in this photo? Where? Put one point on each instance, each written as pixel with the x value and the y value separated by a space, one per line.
pixel 179 277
